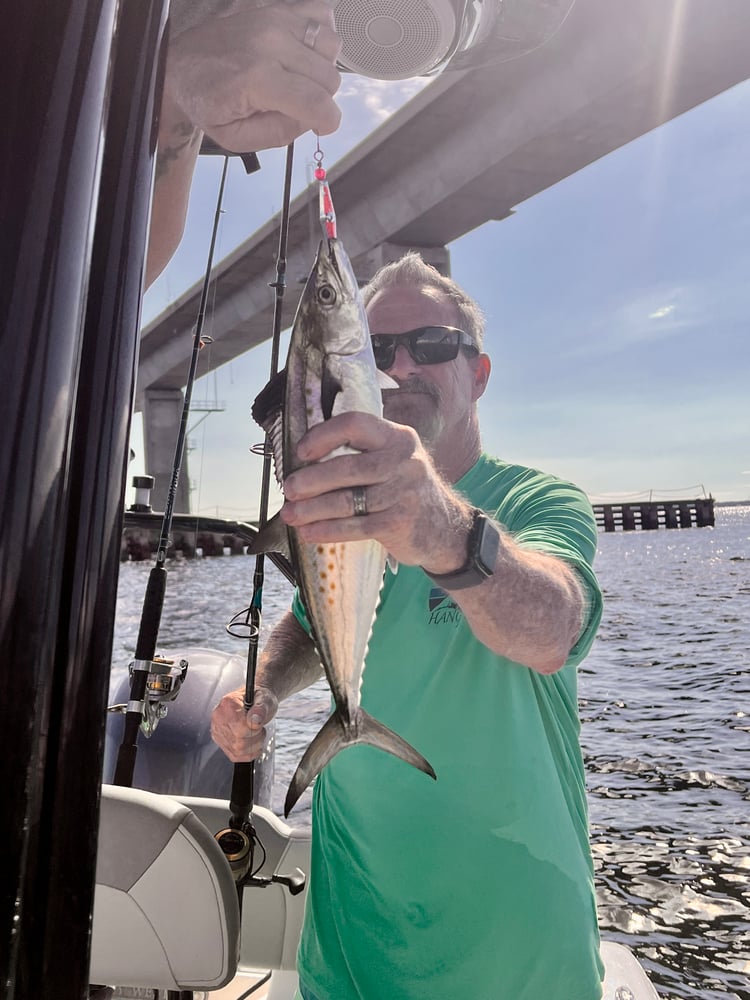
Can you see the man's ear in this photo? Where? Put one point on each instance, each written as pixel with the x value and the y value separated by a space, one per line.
pixel 481 375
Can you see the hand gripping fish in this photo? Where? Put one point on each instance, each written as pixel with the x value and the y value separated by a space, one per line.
pixel 330 369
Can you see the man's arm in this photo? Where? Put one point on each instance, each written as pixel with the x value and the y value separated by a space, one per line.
pixel 287 664
pixel 247 80
pixel 177 150
pixel 532 609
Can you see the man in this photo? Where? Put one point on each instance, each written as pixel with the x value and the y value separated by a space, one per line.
pixel 250 74
pixel 480 884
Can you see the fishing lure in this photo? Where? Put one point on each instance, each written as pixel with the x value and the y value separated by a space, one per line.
pixel 327 211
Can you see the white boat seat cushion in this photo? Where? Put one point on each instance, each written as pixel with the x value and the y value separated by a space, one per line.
pixel 165 910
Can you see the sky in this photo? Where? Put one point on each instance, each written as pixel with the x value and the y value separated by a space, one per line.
pixel 617 304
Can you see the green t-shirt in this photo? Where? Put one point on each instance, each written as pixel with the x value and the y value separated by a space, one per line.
pixel 478 886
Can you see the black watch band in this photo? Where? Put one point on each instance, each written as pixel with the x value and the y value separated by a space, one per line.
pixel 484 542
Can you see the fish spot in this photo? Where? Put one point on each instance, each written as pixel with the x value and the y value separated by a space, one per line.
pixel 331 601
pixel 331 566
pixel 332 550
pixel 321 550
pixel 323 576
pixel 333 586
pixel 321 590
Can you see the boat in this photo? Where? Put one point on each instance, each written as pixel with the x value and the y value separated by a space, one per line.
pixel 77 158
pixel 171 921
pixel 174 900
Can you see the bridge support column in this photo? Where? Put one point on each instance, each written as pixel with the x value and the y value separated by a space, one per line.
pixel 162 412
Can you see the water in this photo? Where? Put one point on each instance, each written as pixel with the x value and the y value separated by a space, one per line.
pixel 665 705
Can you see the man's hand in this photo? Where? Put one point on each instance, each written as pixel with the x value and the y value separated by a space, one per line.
pixel 411 510
pixel 241 734
pixel 249 82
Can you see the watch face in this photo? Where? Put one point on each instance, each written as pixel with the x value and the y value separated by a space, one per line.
pixel 487 545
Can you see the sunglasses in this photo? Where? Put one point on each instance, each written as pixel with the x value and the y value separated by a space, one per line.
pixel 428 345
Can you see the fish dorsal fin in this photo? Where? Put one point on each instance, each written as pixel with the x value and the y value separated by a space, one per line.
pixel 268 411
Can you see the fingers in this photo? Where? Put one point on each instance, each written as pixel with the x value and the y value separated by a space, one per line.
pixel 241 734
pixel 362 431
pixel 381 452
pixel 248 79
pixel 300 103
pixel 338 505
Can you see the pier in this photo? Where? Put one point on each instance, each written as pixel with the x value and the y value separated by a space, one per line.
pixel 649 515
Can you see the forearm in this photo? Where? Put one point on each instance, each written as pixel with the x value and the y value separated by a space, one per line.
pixel 176 154
pixel 531 610
pixel 289 662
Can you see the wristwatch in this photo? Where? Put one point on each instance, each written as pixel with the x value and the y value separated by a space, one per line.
pixel 484 542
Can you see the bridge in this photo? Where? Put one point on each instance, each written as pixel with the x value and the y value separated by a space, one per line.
pixel 468 149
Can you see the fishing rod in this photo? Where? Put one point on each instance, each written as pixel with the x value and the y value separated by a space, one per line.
pixel 146 670
pixel 240 840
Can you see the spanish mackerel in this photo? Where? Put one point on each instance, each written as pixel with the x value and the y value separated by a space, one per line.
pixel 330 369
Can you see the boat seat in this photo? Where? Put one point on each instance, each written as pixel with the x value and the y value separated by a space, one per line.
pixel 166 914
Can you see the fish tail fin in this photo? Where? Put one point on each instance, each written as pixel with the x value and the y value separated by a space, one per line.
pixel 335 735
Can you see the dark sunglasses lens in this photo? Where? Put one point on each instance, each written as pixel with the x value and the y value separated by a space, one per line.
pixel 384 350
pixel 434 346
pixel 430 345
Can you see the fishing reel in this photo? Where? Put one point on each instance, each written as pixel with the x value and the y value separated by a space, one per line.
pixel 165 678
pixel 239 848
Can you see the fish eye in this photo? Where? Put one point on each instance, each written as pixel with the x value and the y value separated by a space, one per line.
pixel 327 295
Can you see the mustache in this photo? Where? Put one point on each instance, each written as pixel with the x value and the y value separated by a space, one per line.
pixel 413 385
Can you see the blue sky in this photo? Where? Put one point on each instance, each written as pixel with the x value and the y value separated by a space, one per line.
pixel 618 307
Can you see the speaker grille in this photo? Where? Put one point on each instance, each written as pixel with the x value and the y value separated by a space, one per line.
pixel 394 39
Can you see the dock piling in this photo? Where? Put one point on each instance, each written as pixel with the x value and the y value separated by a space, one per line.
pixel 653 514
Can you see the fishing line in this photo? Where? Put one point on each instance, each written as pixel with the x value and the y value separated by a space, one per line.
pixel 153 601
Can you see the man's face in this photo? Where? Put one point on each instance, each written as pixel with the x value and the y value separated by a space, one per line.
pixel 433 399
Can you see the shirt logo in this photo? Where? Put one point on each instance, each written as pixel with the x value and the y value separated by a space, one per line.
pixel 443 610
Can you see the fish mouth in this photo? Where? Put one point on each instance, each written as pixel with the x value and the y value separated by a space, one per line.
pixel 330 249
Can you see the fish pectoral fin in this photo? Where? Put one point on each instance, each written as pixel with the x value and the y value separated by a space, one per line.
pixel 330 387
pixel 273 537
pixel 336 735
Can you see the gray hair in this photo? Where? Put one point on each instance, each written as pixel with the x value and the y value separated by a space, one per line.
pixel 412 271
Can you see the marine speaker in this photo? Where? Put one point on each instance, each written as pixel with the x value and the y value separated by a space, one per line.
pixel 395 39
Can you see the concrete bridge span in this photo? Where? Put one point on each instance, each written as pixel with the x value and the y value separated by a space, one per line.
pixel 468 149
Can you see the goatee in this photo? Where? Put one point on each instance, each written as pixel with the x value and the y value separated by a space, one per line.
pixel 408 405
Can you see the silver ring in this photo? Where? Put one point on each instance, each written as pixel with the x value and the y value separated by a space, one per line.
pixel 359 499
pixel 311 34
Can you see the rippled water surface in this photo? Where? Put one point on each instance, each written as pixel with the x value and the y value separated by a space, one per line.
pixel 665 705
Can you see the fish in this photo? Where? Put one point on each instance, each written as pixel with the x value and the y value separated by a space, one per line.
pixel 330 369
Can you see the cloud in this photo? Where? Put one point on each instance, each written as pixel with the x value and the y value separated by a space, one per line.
pixel 379 98
pixel 641 317
pixel 662 312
